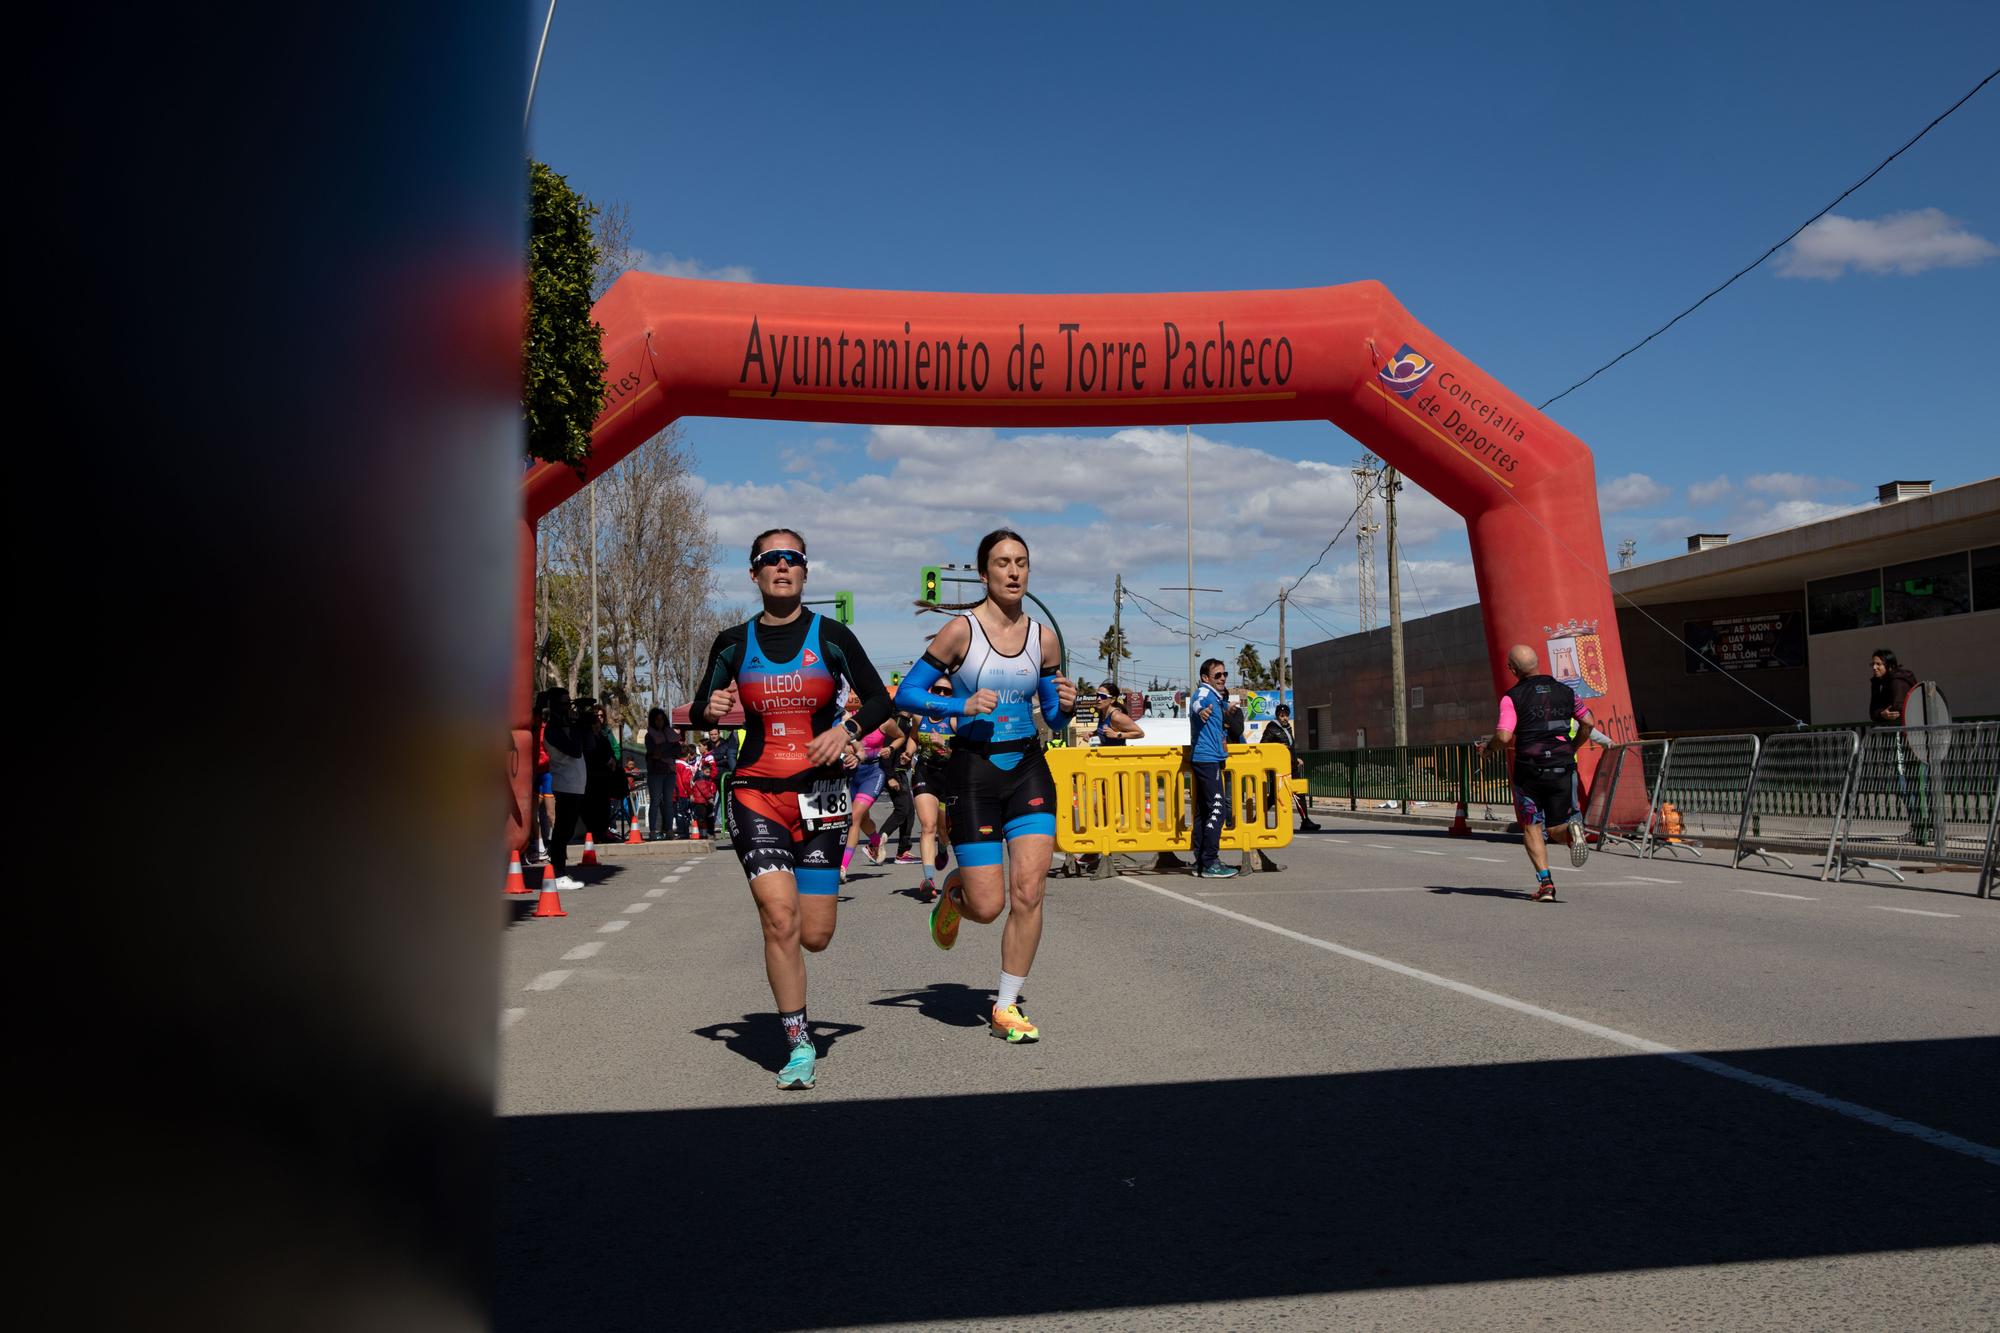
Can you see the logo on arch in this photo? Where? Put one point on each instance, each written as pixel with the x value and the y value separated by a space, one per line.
pixel 1409 370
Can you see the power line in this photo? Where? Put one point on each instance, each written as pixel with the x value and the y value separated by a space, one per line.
pixel 1779 246
pixel 1358 506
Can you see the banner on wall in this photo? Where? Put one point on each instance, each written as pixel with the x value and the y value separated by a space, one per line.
pixel 1745 643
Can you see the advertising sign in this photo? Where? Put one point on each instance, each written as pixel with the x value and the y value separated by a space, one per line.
pixel 1745 643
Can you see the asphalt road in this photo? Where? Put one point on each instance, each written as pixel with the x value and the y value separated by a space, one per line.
pixel 1378 1089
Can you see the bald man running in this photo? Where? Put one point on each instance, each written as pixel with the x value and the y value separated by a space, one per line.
pixel 1536 721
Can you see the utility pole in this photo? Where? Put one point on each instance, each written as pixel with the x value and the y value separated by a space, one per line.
pixel 1391 483
pixel 1187 435
pixel 1118 626
pixel 1282 670
pixel 1364 537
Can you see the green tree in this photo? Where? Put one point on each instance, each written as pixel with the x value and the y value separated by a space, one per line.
pixel 1112 648
pixel 563 353
pixel 1250 673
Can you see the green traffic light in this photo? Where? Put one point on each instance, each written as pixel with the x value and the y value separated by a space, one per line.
pixel 933 583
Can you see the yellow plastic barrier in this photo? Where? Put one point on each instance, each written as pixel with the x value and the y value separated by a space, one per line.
pixel 1134 798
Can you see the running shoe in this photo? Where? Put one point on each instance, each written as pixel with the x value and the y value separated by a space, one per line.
pixel 944 922
pixel 1545 892
pixel 927 891
pixel 907 859
pixel 1013 1025
pixel 798 1070
pixel 1217 871
pixel 943 856
pixel 1579 845
pixel 565 883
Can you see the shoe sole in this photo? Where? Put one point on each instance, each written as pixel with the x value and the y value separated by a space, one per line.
pixel 789 1085
pixel 1579 846
pixel 934 933
pixel 1013 1038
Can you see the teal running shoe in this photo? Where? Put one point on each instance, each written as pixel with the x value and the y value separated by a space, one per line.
pixel 798 1070
pixel 1218 871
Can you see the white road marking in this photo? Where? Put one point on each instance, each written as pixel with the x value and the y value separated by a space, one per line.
pixel 638 907
pixel 1421 852
pixel 1881 1120
pixel 509 1017
pixel 656 893
pixel 611 926
pixel 583 951
pixel 1337 842
pixel 1245 893
pixel 1491 860
pixel 1767 893
pixel 1911 911
pixel 1648 879
pixel 549 980
pixel 1385 846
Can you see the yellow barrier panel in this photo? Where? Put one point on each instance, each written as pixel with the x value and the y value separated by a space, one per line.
pixel 1134 798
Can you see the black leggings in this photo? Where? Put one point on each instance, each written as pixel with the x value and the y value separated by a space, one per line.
pixel 569 807
pixel 905 816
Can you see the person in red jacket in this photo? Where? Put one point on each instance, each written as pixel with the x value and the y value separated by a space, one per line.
pixel 702 789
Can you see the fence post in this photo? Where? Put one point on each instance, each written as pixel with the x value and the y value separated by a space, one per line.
pixel 1353 767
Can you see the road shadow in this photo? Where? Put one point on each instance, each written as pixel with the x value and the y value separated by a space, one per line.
pixel 519 907
pixel 760 1038
pixel 1471 891
pixel 946 1002
pixel 1237 1189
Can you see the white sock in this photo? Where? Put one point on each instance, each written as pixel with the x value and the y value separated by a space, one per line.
pixel 1010 989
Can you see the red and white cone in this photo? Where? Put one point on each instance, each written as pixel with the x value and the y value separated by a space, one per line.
pixel 550 903
pixel 633 835
pixel 515 883
pixel 1459 828
pixel 589 851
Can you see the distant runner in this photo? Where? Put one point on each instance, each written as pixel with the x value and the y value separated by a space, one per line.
pixel 788 801
pixel 1541 711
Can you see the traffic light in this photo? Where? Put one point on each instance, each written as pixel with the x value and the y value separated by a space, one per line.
pixel 843 607
pixel 895 680
pixel 933 583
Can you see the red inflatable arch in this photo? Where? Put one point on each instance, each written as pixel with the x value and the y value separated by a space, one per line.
pixel 1350 354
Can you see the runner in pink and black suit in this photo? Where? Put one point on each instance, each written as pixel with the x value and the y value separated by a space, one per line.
pixel 1537 720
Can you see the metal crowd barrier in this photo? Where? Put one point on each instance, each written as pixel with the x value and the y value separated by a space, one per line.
pixel 1920 794
pixel 1635 764
pixel 1136 800
pixel 1704 779
pixel 1796 794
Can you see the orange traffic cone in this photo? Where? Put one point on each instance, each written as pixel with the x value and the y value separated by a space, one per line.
pixel 589 851
pixel 550 903
pixel 1459 828
pixel 694 827
pixel 1670 819
pixel 633 834
pixel 515 884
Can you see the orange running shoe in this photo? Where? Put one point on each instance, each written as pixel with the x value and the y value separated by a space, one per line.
pixel 944 914
pixel 1013 1025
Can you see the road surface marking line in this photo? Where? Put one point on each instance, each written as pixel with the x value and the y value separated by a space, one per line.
pixel 1881 1120
pixel 1385 846
pixel 1492 860
pixel 549 980
pixel 656 893
pixel 1421 852
pixel 1648 879
pixel 583 951
pixel 610 926
pixel 509 1017
pixel 1767 893
pixel 638 907
pixel 1911 911
pixel 1337 842
pixel 1245 893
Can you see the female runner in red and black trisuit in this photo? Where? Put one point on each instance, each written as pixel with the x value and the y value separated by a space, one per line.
pixel 788 801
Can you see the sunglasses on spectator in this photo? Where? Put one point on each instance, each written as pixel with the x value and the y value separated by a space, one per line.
pixel 772 559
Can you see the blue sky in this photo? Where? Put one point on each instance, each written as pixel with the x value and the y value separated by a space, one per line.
pixel 1542 187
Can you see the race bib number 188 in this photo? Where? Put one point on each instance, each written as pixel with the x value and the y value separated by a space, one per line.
pixel 824 804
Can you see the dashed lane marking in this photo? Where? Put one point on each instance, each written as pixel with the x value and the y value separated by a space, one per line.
pixel 509 1017
pixel 1769 893
pixel 1852 1110
pixel 1246 893
pixel 1910 911
pixel 611 926
pixel 1383 846
pixel 549 980
pixel 1421 852
pixel 1490 860
pixel 656 893
pixel 583 951
pixel 638 907
pixel 1648 879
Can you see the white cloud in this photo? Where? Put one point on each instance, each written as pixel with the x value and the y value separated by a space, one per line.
pixel 1794 485
pixel 1761 519
pixel 1708 492
pixel 1911 242
pixel 670 265
pixel 1635 490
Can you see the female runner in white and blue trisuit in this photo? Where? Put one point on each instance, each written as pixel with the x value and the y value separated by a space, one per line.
pixel 998 789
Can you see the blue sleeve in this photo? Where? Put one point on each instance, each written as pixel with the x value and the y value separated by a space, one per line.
pixel 914 694
pixel 1045 689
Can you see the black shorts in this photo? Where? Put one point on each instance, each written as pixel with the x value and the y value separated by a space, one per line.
pixel 771 836
pixel 927 778
pixel 1545 795
pixel 988 804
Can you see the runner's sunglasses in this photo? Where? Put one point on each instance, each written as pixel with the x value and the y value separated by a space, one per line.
pixel 772 559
